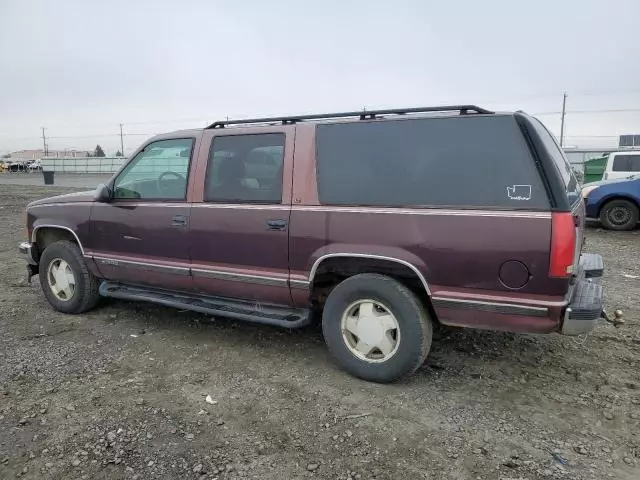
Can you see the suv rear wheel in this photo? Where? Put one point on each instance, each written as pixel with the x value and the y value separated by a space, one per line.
pixel 619 214
pixel 66 281
pixel 376 328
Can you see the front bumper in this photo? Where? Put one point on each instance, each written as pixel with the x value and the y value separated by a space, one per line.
pixel 30 254
pixel 27 251
pixel 587 299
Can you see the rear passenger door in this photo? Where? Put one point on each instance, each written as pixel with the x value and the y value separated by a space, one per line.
pixel 240 215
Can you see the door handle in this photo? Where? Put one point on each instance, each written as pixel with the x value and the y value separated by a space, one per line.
pixel 179 221
pixel 277 224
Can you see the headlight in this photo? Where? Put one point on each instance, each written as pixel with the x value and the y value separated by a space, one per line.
pixel 587 190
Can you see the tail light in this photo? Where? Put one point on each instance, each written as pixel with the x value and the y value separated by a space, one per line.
pixel 563 245
pixel 606 176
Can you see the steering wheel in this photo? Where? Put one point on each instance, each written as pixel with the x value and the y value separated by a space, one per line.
pixel 163 187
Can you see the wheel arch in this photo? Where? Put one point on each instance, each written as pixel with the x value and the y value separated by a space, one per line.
pixel 48 233
pixel 368 256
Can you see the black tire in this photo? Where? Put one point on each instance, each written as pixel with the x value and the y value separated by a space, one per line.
pixel 619 214
pixel 415 326
pixel 86 295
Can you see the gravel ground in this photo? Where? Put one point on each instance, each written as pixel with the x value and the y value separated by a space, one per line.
pixel 121 392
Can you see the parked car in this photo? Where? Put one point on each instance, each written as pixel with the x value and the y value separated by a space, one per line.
pixel 616 203
pixel 382 222
pixel 622 165
pixel 17 166
pixel 34 165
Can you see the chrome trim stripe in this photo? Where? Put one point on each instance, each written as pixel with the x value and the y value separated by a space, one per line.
pixel 425 211
pixel 302 284
pixel 320 208
pixel 241 206
pixel 152 267
pixel 61 204
pixel 312 274
pixel 60 227
pixel 239 277
pixel 377 210
pixel 497 307
pixel 124 203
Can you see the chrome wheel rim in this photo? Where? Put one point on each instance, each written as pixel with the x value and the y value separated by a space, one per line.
pixel 619 215
pixel 61 280
pixel 370 331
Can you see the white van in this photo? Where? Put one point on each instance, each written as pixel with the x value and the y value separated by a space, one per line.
pixel 622 165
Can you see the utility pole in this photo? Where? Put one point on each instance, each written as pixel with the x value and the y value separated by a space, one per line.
pixel 121 141
pixel 44 143
pixel 564 105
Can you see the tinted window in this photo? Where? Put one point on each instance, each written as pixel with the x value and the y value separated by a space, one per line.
pixel 245 169
pixel 626 163
pixel 158 172
pixel 458 161
pixel 562 164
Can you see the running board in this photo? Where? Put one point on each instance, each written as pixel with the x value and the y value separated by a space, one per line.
pixel 236 309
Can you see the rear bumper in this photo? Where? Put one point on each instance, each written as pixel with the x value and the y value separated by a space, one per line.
pixel 587 299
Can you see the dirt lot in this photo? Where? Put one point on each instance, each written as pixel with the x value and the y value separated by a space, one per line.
pixel 120 393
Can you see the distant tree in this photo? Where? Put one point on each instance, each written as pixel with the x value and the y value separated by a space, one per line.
pixel 99 152
pixel 89 154
pixel 119 153
pixel 7 155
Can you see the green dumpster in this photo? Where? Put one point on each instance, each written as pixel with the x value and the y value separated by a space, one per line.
pixel 594 169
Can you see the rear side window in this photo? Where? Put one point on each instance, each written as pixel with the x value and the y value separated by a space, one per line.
pixel 245 169
pixel 626 163
pixel 562 164
pixel 466 161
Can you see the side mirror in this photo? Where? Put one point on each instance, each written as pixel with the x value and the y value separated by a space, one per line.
pixel 103 193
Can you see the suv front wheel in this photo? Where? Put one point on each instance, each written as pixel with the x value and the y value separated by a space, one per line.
pixel 376 328
pixel 66 281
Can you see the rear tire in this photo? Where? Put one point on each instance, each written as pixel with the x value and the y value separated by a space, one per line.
pixel 376 328
pixel 619 214
pixel 66 282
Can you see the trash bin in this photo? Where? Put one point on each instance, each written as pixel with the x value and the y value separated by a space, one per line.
pixel 48 177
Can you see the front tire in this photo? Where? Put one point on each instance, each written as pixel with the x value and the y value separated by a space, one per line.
pixel 376 328
pixel 619 214
pixel 66 282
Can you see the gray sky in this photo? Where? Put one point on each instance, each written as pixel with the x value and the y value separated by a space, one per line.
pixel 82 67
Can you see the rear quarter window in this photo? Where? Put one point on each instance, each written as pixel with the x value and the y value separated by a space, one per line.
pixel 465 161
pixel 563 167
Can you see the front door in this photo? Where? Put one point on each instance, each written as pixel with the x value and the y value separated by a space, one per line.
pixel 142 235
pixel 240 214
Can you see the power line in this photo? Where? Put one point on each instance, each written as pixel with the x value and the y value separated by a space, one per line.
pixel 604 110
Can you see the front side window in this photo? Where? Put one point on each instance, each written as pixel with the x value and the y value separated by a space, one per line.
pixel 245 169
pixel 465 161
pixel 626 163
pixel 159 172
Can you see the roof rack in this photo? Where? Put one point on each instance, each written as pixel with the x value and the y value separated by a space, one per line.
pixel 363 115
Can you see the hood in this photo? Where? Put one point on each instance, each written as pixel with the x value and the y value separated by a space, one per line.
pixel 68 198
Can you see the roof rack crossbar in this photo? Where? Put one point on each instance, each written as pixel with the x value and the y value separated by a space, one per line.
pixel 362 115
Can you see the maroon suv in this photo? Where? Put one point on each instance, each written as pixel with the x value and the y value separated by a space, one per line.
pixel 382 221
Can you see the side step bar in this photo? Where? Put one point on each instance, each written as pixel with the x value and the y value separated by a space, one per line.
pixel 224 307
